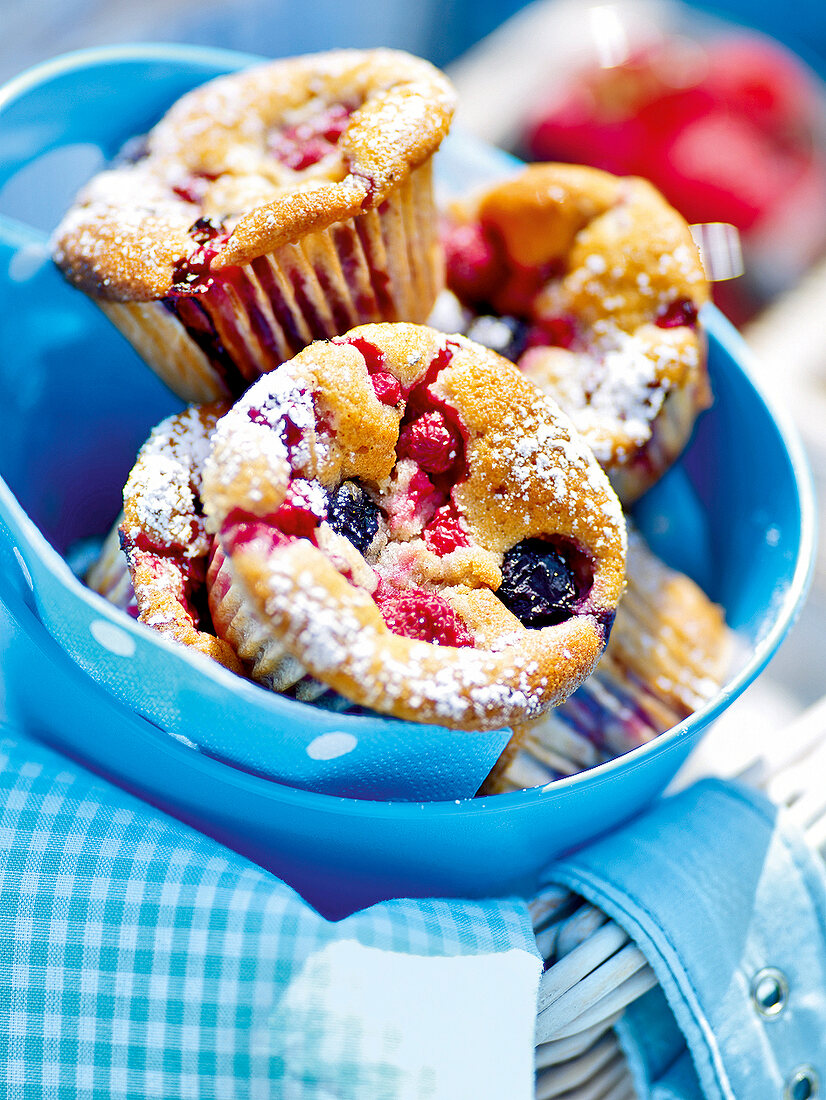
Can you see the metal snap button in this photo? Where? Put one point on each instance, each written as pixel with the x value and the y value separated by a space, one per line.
pixel 770 991
pixel 804 1084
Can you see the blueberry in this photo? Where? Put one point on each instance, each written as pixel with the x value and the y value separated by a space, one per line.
pixel 538 584
pixel 354 514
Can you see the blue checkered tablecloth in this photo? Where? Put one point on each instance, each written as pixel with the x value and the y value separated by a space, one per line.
pixel 139 959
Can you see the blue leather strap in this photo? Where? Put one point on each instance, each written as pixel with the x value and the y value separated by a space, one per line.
pixel 717 890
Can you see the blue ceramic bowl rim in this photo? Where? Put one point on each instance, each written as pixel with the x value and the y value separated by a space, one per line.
pixel 19 85
pixel 717 327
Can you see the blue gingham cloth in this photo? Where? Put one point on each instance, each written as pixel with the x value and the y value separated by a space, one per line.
pixel 140 960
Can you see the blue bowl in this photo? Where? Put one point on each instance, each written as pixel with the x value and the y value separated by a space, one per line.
pixel 75 403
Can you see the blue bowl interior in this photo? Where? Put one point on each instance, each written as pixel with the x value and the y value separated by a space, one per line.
pixel 76 403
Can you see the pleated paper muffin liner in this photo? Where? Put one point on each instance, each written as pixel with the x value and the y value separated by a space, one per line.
pixel 668 654
pixel 382 265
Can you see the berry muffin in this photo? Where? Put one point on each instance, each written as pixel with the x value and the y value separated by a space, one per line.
pixel 593 284
pixel 419 526
pixel 668 655
pixel 163 534
pixel 268 208
pixel 108 575
pixel 234 620
pixel 737 137
pixel 159 564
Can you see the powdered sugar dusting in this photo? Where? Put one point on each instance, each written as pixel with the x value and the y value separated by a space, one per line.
pixel 310 496
pixel 331 611
pixel 586 266
pixel 270 431
pixel 215 155
pixel 466 685
pixel 548 450
pixel 162 494
pixel 166 504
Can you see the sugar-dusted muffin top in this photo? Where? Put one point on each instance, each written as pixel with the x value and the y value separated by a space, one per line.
pixel 163 534
pixel 604 283
pixel 419 526
pixel 250 161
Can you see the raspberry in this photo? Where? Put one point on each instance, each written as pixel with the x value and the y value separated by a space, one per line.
pixel 205 229
pixel 373 357
pixel 472 262
pixel 446 531
pixel 516 291
pixel 354 514
pixel 423 495
pixel 241 528
pixel 334 122
pixel 191 274
pixel 194 188
pixel 538 584
pixel 295 518
pixel 300 146
pixel 293 434
pixel 681 311
pixel 388 388
pixel 557 332
pixel 762 82
pixel 430 441
pixel 422 615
